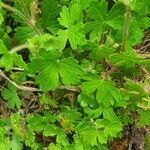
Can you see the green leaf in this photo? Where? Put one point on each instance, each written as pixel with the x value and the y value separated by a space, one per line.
pixel 93 113
pixel 70 16
pixel 136 29
pixel 98 10
pixel 10 94
pixel 49 79
pixel 69 71
pixel 41 123
pixel 70 119
pixel 125 59
pixel 115 17
pixel 102 19
pixel 22 34
pixel 3 48
pixel 92 133
pixel 16 144
pixel 135 88
pixel 89 135
pixel 50 130
pixel 47 42
pixel 50 11
pixel 111 128
pixel 7 61
pixel 84 3
pixel 101 52
pixel 62 138
pixel 71 19
pixel 141 7
pixel 30 138
pixel 54 147
pixel 144 117
pixel 106 93
pixel 1 19
pixel 86 100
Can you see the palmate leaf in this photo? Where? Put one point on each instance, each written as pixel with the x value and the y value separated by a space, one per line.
pixel 101 18
pixel 71 118
pixel 10 95
pixel 111 128
pixel 115 17
pixel 98 132
pixel 51 73
pixel 48 78
pixel 136 29
pixel 106 93
pixel 71 18
pixel 69 71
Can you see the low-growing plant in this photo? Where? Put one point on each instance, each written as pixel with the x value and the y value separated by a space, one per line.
pixel 71 78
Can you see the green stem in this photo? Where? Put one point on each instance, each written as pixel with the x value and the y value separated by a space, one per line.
pixel 126 27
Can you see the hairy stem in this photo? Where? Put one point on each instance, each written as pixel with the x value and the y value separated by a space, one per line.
pixel 33 9
pixel 24 88
pixel 17 12
pixel 126 27
pixel 24 9
pixel 18 48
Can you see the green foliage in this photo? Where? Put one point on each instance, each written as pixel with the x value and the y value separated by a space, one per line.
pixel 102 19
pixel 73 25
pixel 106 93
pixel 48 78
pixel 50 11
pixel 10 94
pixel 83 79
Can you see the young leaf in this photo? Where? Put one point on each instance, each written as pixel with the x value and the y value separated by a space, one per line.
pixel 71 19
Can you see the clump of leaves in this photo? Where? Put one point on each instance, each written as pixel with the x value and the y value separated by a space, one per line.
pixel 76 58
